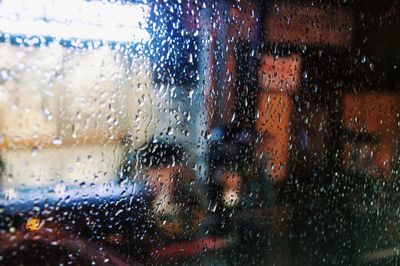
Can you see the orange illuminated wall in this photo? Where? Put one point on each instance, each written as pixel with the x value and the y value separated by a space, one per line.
pixel 309 25
pixel 279 78
pixel 376 115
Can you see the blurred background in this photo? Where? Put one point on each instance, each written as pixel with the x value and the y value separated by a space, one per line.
pixel 199 132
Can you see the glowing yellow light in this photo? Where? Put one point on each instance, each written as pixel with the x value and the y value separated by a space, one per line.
pixel 33 224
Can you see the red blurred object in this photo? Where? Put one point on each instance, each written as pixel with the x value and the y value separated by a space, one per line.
pixel 189 248
pixel 280 74
pixel 56 237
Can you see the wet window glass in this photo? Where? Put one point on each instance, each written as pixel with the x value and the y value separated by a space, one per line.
pixel 191 132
